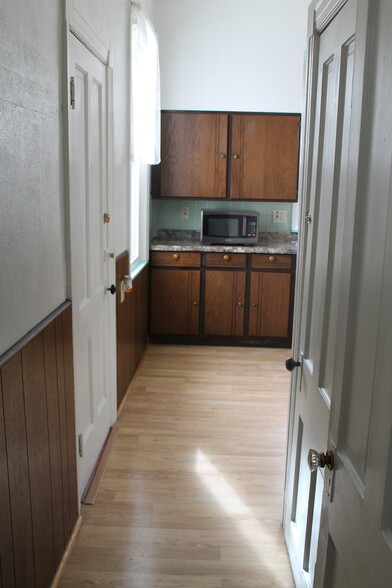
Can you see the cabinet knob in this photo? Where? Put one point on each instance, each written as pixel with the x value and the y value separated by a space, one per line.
pixel 240 304
pixel 253 304
pixel 195 303
pixel 236 156
pixel 222 156
pixel 271 258
pixel 226 257
pixel 176 256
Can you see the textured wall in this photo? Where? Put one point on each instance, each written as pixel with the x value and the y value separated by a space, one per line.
pixel 32 261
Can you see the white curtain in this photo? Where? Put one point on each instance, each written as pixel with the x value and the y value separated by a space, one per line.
pixel 145 90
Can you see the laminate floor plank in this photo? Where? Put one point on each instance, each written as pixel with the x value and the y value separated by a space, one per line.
pixel 192 493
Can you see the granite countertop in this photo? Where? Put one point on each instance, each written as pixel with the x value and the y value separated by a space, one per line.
pixel 178 240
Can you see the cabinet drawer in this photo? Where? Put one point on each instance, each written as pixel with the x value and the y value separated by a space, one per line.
pixel 175 259
pixel 271 261
pixel 226 259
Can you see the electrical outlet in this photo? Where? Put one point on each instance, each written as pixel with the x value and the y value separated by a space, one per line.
pixel 279 216
pixel 184 212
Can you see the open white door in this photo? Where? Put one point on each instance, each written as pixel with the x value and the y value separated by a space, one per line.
pixel 331 390
pixel 92 267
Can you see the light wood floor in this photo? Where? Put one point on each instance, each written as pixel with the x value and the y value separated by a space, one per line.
pixel 192 494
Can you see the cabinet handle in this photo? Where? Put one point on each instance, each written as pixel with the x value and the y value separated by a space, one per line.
pixel 240 304
pixel 176 256
pixel 222 156
pixel 271 258
pixel 226 257
pixel 236 156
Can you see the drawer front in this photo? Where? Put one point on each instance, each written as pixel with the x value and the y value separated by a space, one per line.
pixel 175 259
pixel 226 260
pixel 271 261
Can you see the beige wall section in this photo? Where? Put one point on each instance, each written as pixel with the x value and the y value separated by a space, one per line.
pixel 32 258
pixel 232 55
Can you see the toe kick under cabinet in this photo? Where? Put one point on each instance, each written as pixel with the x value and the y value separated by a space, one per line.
pixel 222 298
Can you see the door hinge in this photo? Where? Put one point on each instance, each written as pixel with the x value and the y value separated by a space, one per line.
pixel 72 92
pixel 80 445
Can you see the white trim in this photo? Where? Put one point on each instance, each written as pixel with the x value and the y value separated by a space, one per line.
pixel 82 30
pixel 325 11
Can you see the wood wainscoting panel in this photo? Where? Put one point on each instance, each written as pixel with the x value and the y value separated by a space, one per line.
pixel 38 497
pixel 132 324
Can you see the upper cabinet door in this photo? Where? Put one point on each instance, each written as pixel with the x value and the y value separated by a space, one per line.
pixel 194 154
pixel 264 156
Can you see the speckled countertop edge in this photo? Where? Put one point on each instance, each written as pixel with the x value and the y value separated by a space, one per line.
pixel 275 243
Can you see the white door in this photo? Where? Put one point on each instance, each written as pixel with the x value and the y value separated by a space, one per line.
pixel 92 267
pixel 332 165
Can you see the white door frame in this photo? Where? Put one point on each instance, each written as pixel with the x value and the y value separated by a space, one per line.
pixel 78 26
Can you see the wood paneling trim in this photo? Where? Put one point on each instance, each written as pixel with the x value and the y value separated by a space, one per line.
pixel 132 324
pixel 38 497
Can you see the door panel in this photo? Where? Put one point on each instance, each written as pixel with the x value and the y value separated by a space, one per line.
pixel 224 302
pixel 321 261
pixel 175 296
pixel 92 307
pixel 342 399
pixel 196 144
pixel 264 157
pixel 269 304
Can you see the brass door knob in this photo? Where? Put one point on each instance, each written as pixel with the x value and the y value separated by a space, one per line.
pixel 176 256
pixel 226 257
pixel 320 460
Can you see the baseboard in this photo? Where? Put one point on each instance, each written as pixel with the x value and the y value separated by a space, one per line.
pixel 91 491
pixel 67 553
pixel 127 393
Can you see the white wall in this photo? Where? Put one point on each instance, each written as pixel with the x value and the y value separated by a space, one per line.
pixel 32 250
pixel 232 55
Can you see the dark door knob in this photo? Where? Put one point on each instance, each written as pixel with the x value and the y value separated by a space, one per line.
pixel 112 289
pixel 291 364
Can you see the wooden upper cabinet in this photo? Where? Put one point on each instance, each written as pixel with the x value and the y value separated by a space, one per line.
pixel 264 157
pixel 194 154
pixel 239 156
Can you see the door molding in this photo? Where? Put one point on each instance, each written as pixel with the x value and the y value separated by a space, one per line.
pixel 324 11
pixel 83 31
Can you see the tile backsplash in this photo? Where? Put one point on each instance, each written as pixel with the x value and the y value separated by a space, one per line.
pixel 166 214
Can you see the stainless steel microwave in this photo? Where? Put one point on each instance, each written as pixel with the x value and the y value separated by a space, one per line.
pixel 230 227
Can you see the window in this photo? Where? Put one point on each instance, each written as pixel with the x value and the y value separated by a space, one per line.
pixel 145 130
pixel 139 216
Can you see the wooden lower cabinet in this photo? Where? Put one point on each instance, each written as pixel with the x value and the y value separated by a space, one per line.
pixel 229 299
pixel 175 300
pixel 224 302
pixel 269 304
